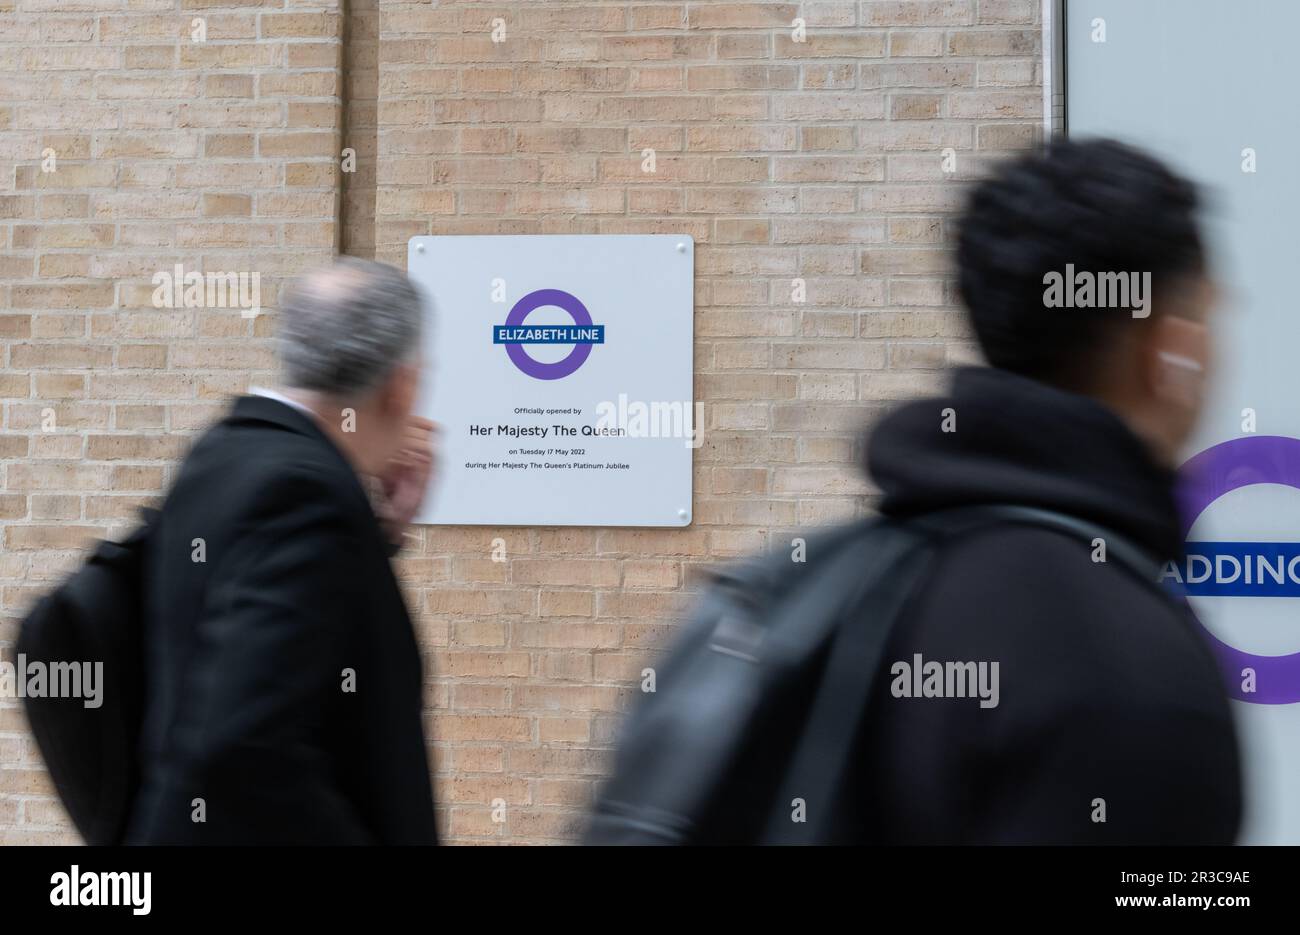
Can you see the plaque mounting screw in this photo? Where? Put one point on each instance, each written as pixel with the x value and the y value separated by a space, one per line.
pixel 681 248
pixel 683 513
pixel 419 248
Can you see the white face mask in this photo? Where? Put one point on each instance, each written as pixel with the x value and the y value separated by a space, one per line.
pixel 1184 378
pixel 1178 360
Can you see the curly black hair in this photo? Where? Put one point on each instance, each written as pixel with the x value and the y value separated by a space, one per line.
pixel 1100 205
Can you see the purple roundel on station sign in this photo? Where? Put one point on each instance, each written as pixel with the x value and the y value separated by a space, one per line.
pixel 1204 478
pixel 530 303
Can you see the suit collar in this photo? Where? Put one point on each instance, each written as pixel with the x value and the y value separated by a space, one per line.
pixel 282 415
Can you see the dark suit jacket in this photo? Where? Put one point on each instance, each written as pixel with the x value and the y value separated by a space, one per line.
pixel 250 651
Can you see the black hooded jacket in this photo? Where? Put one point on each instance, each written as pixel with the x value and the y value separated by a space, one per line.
pixel 1109 704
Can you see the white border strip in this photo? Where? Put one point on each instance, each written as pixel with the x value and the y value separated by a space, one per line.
pixel 1049 49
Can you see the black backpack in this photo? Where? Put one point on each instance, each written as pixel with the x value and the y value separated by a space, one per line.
pixel 95 616
pixel 760 701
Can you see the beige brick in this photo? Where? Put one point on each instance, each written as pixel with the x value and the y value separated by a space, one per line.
pixel 14 506
pixel 566 604
pixel 56 507
pixel 135 447
pixel 52 537
pixel 984 42
pixel 62 356
pixel 918 12
pixel 453 728
pixel 227 205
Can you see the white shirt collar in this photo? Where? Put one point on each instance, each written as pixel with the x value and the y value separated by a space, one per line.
pixel 281 398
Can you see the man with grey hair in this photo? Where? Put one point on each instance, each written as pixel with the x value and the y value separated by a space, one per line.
pixel 285 688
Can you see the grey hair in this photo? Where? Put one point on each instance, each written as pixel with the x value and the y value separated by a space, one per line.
pixel 344 328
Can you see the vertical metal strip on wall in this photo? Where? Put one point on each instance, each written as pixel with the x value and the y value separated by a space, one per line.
pixel 1054 115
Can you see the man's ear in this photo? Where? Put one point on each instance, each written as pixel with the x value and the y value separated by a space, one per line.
pixel 397 396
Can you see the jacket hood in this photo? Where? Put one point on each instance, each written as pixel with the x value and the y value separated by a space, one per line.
pixel 1015 440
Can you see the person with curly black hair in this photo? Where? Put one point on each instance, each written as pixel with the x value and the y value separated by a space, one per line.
pixel 1085 274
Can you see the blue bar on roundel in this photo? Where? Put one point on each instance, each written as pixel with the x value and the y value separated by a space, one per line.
pixel 1237 569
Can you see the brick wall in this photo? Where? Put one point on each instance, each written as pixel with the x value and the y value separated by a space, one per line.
pixel 818 160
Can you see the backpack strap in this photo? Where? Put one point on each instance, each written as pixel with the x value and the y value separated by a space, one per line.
pixel 827 746
pixel 963 519
pixel 861 632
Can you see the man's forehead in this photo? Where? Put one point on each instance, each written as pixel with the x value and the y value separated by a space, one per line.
pixel 335 281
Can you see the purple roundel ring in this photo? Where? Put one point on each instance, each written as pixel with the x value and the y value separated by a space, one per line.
pixel 1204 478
pixel 533 301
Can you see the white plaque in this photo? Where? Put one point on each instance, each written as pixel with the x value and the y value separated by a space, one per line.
pixel 560 368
